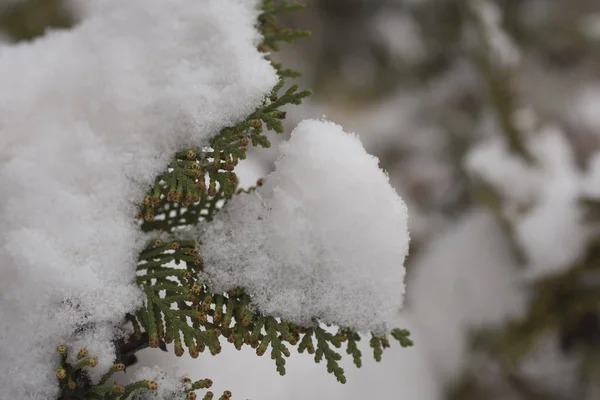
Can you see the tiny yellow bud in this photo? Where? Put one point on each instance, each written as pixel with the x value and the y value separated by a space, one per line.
pixel 153 341
pixel 119 388
pixel 61 373
pixel 119 367
pixel 92 361
pixel 178 197
pixel 82 354
pixel 72 385
pixel 152 385
pixel 196 288
pixel 200 316
pixel 62 349
pixel 191 396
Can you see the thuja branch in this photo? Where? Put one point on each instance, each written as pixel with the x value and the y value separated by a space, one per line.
pixel 182 309
pixel 198 179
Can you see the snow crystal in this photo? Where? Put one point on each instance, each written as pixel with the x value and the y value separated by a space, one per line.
pixel 88 118
pixel 325 237
pixel 464 280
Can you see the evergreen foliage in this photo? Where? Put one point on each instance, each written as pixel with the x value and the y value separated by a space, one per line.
pixel 182 310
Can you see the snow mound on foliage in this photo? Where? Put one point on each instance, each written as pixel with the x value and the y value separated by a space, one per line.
pixel 88 118
pixel 325 237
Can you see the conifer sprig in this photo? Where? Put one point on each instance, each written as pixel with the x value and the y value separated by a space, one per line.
pixel 180 308
pixel 197 184
pixel 197 179
pixel 273 33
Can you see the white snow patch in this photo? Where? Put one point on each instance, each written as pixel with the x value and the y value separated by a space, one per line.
pixel 540 199
pixel 326 236
pixel 88 118
pixel 465 279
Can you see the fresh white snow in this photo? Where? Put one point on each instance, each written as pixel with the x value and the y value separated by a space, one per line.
pixel 325 237
pixel 88 118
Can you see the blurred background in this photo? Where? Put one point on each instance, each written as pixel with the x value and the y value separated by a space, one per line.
pixel 486 115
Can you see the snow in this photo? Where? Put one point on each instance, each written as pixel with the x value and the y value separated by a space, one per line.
pixel 493 163
pixel 548 367
pixel 400 34
pixel 502 50
pixel 590 26
pixel 88 118
pixel 541 200
pixel 584 107
pixel 325 237
pixel 591 179
pixel 552 233
pixel 464 280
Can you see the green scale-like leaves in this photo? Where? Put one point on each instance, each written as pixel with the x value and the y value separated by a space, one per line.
pixel 180 309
